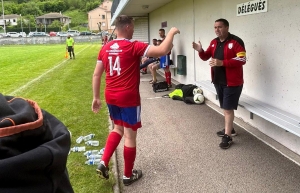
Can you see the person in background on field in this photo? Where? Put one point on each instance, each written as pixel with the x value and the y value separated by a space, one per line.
pixel 120 60
pixel 70 46
pixel 228 55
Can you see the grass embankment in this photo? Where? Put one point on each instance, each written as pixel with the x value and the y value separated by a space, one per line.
pixel 62 87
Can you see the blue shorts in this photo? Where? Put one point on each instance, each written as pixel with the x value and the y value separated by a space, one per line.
pixel 228 96
pixel 129 117
pixel 165 61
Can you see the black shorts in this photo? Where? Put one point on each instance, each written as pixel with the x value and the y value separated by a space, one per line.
pixel 228 96
pixel 70 49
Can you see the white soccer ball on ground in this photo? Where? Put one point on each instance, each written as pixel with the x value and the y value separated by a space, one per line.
pixel 198 98
pixel 197 91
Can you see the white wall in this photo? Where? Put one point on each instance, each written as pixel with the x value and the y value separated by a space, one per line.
pixel 272 71
pixel 178 14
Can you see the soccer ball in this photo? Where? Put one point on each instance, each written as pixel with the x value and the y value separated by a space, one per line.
pixel 197 90
pixel 198 98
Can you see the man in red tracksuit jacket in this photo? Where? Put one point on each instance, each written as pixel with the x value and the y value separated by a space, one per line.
pixel 228 55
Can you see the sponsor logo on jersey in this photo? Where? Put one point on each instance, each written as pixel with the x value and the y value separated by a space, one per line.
pixel 114 49
pixel 115 46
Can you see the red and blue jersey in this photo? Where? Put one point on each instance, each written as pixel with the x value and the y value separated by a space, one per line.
pixel 121 60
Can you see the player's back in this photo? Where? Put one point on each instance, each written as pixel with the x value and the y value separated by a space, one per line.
pixel 121 59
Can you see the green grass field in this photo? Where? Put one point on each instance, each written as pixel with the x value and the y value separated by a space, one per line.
pixel 62 87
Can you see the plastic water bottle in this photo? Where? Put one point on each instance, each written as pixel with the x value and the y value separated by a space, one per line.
pixel 93 161
pixel 101 152
pixel 92 143
pixel 78 149
pixel 91 152
pixel 79 139
pixel 94 156
pixel 88 137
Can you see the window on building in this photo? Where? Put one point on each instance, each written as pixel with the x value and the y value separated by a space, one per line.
pixel 103 16
pixel 14 20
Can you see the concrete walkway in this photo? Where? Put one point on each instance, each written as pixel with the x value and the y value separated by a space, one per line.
pixel 178 152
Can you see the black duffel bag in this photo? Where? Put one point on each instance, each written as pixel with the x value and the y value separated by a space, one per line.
pixel 34 147
pixel 160 86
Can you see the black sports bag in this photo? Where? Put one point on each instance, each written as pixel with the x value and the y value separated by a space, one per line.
pixel 160 86
pixel 34 147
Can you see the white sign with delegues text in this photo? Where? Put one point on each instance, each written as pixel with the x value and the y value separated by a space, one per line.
pixel 252 7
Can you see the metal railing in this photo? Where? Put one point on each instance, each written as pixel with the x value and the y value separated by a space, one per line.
pixel 46 40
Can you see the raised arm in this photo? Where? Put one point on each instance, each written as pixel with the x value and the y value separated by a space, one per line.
pixel 165 47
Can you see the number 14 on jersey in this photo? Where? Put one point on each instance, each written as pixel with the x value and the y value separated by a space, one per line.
pixel 114 66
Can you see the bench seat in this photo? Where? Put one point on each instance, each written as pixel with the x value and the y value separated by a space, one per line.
pixel 283 119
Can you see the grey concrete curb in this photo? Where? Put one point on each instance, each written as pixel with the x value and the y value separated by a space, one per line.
pixel 115 170
pixel 116 187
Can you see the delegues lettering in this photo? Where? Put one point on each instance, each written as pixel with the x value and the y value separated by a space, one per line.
pixel 251 7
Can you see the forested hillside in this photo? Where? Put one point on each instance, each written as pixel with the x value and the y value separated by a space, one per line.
pixel 29 9
pixel 38 7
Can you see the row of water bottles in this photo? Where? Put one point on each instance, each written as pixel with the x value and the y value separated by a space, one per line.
pixel 94 152
pixel 85 138
pixel 93 162
pixel 88 140
pixel 82 149
pixel 93 156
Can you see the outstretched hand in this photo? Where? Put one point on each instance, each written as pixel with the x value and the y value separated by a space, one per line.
pixel 197 47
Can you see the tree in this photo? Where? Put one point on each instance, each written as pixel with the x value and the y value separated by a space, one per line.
pixel 55 23
pixel 11 8
pixel 92 5
pixel 29 21
pixel 30 8
pixel 22 1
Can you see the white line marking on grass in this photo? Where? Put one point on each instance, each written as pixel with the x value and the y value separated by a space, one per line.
pixel 42 75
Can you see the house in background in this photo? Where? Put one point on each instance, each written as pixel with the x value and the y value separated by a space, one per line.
pixel 100 17
pixel 9 20
pixel 50 17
